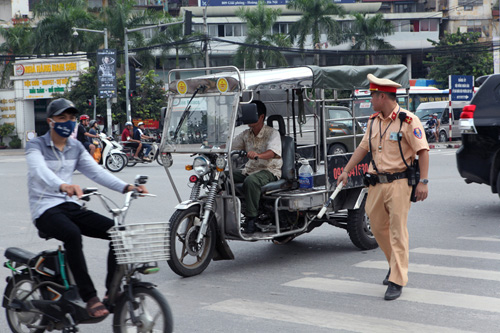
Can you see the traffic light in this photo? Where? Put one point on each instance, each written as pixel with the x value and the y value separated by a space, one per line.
pixel 188 22
pixel 90 102
pixel 132 94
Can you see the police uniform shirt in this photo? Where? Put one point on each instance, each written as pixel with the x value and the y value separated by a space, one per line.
pixel 388 157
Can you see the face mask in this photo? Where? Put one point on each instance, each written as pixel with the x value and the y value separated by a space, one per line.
pixel 64 129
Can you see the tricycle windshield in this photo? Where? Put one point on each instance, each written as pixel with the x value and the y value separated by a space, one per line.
pixel 199 123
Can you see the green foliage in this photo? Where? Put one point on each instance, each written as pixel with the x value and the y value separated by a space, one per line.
pixel 315 20
pixel 5 129
pixel 260 20
pixel 367 33
pixel 15 142
pixel 458 54
pixel 17 40
pixel 146 105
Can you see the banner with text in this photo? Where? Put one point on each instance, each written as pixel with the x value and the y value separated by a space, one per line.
pixel 106 73
pixel 461 87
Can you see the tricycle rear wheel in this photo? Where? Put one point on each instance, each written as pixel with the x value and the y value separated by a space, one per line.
pixel 187 258
pixel 359 230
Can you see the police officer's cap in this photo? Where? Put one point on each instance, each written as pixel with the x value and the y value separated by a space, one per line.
pixel 60 105
pixel 383 85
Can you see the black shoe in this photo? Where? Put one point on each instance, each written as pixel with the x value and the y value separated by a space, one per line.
pixel 393 291
pixel 386 280
pixel 250 225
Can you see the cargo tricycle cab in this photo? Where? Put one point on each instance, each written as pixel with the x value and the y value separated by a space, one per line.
pixel 218 106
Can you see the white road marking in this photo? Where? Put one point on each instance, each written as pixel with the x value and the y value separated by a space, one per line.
pixel 321 318
pixel 434 297
pixel 438 270
pixel 480 239
pixel 457 253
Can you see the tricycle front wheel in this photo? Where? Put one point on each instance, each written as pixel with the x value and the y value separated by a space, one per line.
pixel 359 229
pixel 188 257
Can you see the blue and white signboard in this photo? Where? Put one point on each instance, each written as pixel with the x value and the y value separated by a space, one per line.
pixel 461 87
pixel 214 3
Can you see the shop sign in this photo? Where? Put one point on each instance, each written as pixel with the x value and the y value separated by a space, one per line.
pixel 7 108
pixel 44 88
pixel 45 68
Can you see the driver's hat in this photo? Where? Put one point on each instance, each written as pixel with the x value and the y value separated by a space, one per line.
pixel 141 123
pixel 382 85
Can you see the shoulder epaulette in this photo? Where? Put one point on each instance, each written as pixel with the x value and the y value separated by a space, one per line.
pixel 408 119
pixel 374 115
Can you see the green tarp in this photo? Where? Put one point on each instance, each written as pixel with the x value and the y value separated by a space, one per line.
pixel 354 77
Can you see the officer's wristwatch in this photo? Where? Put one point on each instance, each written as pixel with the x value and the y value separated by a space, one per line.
pixel 424 181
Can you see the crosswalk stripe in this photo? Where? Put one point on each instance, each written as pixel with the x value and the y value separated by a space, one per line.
pixel 481 239
pixel 457 253
pixel 437 270
pixel 470 302
pixel 321 318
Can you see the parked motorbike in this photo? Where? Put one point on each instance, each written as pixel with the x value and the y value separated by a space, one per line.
pixel 42 296
pixel 112 155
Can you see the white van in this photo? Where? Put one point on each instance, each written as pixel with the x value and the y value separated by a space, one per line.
pixel 424 110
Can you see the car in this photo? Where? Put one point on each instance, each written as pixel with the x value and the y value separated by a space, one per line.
pixel 478 159
pixel 425 110
pixel 343 132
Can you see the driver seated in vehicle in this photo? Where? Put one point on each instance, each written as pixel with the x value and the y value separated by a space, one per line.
pixel 263 146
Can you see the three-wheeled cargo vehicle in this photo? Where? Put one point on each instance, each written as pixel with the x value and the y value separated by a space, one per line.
pixel 203 117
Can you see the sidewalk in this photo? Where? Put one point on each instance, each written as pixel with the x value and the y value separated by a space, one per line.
pixel 443 145
pixel 11 152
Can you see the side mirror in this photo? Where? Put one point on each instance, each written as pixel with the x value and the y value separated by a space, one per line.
pixel 248 115
pixel 163 113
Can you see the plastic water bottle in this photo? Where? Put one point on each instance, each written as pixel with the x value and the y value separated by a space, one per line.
pixel 305 175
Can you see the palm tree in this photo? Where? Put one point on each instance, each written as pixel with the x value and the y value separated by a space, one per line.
pixel 53 33
pixel 316 19
pixel 174 34
pixel 367 33
pixel 122 15
pixel 260 22
pixel 18 40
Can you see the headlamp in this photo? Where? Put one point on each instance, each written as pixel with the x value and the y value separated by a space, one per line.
pixel 201 165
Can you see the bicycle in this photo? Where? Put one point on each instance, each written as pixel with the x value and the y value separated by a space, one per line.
pixel 42 296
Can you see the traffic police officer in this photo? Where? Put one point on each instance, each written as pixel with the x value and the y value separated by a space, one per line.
pixel 388 199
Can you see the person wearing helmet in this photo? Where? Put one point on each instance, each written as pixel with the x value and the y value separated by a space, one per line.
pixel 52 159
pixel 129 140
pixel 432 124
pixel 83 136
pixel 139 135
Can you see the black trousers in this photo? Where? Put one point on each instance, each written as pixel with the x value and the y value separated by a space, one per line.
pixel 67 222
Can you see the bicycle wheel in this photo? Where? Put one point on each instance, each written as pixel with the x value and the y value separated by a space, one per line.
pixel 23 322
pixel 150 308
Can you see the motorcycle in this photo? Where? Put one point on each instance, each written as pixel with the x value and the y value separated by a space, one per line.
pixel 111 153
pixel 429 134
pixel 41 295
pixel 202 225
pixel 153 154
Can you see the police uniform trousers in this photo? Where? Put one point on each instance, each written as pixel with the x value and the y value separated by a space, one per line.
pixel 387 207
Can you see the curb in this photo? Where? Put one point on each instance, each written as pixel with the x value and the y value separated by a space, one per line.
pixel 444 145
pixel 11 152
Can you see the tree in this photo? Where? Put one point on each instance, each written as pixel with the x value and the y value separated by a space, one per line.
pixel 174 34
pixel 367 33
pixel 54 33
pixel 146 105
pixel 316 18
pixel 260 21
pixel 18 40
pixel 459 54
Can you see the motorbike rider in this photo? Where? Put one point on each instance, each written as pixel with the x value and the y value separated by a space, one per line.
pixel 432 124
pixel 83 136
pixel 52 159
pixel 139 135
pixel 129 141
pixel 263 146
pixel 93 127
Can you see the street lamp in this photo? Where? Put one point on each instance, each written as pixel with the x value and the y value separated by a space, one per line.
pixel 108 100
pixel 127 74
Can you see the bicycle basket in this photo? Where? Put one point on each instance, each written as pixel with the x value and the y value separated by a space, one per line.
pixel 140 243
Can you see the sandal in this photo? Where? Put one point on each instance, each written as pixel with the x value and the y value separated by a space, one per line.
pixel 94 306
